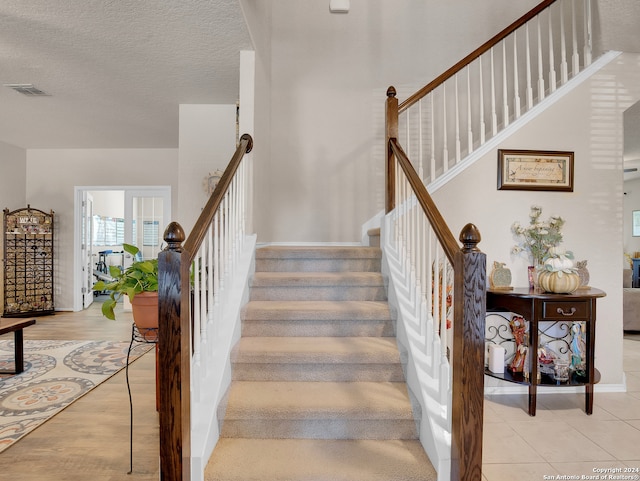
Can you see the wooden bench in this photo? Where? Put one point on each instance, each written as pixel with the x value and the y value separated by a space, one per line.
pixel 16 326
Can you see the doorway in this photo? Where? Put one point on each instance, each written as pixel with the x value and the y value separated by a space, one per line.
pixel 105 218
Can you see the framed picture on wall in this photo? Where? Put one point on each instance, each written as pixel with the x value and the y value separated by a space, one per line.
pixel 635 223
pixel 535 170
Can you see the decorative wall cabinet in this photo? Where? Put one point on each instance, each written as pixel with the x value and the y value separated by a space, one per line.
pixel 28 262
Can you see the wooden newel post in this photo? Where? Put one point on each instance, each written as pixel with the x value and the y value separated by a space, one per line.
pixel 174 357
pixel 468 358
pixel 391 129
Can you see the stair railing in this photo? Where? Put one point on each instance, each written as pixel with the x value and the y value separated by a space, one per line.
pixel 496 84
pixel 192 281
pixel 447 284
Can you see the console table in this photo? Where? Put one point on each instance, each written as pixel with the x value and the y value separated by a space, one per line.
pixel 543 307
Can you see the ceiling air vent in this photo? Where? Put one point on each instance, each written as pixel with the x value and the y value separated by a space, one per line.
pixel 27 89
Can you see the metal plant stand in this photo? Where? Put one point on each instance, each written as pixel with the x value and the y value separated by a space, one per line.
pixel 140 336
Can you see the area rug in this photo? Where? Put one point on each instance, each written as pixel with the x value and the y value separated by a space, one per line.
pixel 56 374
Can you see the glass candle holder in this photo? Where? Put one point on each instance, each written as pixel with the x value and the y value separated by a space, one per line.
pixel 561 370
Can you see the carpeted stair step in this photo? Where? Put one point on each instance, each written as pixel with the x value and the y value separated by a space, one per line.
pixel 317 359
pixel 321 258
pixel 319 460
pixel 317 318
pixel 319 410
pixel 318 286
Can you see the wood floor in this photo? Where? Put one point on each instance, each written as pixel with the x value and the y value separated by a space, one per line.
pixel 90 439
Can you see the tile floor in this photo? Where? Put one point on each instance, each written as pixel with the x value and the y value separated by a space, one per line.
pixel 561 441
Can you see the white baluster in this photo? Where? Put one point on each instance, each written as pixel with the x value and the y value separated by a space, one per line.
pixel 575 58
pixel 210 270
pixel 469 117
pixel 494 113
pixel 195 308
pixel 202 280
pixel 481 97
pixel 445 150
pixel 433 138
pixel 505 93
pixel 216 259
pixel 516 82
pixel 541 92
pixel 457 117
pixel 420 142
pixel 564 69
pixel 528 65
pixel 552 66
pixel 588 34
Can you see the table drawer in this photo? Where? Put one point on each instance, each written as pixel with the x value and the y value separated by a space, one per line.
pixel 566 310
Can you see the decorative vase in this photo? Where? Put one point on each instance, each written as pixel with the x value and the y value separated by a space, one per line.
pixel 533 277
pixel 558 282
pixel 145 314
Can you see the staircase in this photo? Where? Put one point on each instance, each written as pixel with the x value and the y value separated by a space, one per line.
pixel 318 390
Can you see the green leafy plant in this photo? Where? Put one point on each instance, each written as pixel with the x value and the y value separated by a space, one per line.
pixel 141 276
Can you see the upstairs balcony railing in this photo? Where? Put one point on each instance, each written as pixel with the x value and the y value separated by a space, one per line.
pixel 494 86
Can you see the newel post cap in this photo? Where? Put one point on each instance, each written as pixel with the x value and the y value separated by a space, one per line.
pixel 174 236
pixel 470 238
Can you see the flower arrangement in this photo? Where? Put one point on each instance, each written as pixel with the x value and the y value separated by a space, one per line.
pixel 538 237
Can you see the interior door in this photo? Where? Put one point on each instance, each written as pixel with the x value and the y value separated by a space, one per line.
pixel 147 212
pixel 86 243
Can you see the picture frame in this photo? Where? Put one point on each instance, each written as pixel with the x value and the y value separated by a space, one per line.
pixel 550 170
pixel 635 223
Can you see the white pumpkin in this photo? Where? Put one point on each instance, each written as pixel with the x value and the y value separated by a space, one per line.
pixel 558 282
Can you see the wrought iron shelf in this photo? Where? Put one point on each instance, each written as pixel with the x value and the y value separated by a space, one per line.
pixel 28 262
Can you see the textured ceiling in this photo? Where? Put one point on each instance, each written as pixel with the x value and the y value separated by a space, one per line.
pixel 115 70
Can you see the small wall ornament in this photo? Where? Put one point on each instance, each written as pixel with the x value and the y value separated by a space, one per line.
pixel 211 180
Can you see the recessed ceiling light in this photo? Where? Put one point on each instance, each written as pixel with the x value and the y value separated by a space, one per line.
pixel 27 89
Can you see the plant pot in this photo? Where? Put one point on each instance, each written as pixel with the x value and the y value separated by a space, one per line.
pixel 145 314
pixel 558 282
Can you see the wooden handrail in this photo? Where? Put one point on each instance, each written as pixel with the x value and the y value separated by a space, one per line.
pixel 206 216
pixel 174 333
pixel 474 55
pixel 440 227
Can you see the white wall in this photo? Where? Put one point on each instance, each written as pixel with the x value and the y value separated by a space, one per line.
pixel 108 203
pixel 328 75
pixel 588 121
pixel 52 175
pixel 206 143
pixel 13 173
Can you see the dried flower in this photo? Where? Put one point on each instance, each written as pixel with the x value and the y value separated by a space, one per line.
pixel 537 238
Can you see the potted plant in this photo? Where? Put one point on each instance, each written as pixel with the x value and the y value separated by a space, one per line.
pixel 139 281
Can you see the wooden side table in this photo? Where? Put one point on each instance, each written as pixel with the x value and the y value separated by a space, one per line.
pixel 16 326
pixel 543 307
